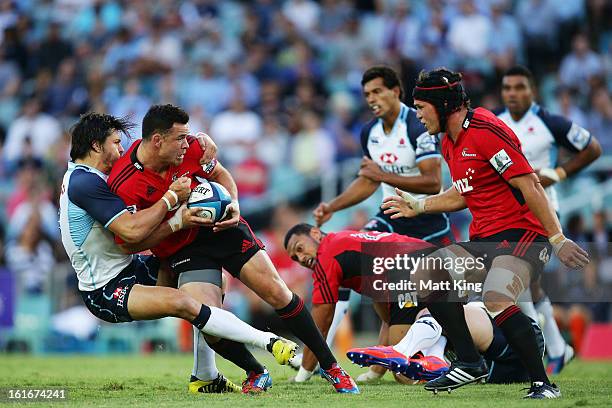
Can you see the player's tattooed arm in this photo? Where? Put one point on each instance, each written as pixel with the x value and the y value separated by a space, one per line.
pixel 323 315
pixel 568 251
pixel 428 182
pixel 360 189
pixel 406 205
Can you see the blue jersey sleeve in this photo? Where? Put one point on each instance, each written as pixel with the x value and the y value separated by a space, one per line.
pixel 88 191
pixel 425 146
pixel 365 136
pixel 566 133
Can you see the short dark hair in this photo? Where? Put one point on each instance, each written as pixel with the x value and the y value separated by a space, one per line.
pixel 520 70
pixel 388 75
pixel 298 229
pixel 95 127
pixel 160 118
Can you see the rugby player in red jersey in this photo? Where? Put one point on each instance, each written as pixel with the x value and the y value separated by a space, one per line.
pixel 167 152
pixel 348 259
pixel 513 225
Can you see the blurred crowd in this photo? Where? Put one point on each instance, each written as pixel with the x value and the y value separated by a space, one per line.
pixel 276 83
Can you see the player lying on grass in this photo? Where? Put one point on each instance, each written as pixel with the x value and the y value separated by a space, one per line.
pixel 514 226
pixel 420 354
pixel 117 287
pixel 344 259
pixel 166 151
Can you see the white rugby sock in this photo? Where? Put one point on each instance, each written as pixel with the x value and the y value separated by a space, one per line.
pixel 526 305
pixel 204 364
pixel 341 309
pixel 423 334
pixel 226 325
pixel 555 343
pixel 437 349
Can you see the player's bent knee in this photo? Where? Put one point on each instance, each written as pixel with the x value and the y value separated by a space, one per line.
pixel 184 306
pixel 278 296
pixel 496 306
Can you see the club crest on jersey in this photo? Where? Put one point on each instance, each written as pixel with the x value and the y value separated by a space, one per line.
pixel 402 142
pixel 388 158
pixel 501 161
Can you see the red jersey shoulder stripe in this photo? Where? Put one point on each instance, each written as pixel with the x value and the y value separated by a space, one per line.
pixel 123 175
pixel 322 278
pixel 503 132
pixel 497 131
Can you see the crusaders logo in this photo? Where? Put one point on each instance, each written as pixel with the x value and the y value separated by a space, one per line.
pixel 388 158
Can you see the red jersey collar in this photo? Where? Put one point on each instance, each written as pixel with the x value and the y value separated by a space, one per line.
pixel 139 166
pixel 467 121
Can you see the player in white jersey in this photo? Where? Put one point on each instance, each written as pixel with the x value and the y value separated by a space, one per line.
pixel 398 152
pixel 542 134
pixel 117 287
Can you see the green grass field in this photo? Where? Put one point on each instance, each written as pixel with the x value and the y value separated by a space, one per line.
pixel 161 380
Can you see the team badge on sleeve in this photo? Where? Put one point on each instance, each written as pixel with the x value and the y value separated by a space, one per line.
pixel 501 161
pixel 426 143
pixel 578 136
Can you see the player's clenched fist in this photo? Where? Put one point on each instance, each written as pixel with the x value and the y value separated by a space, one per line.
pixel 322 214
pixel 403 205
pixel 182 188
pixel 569 252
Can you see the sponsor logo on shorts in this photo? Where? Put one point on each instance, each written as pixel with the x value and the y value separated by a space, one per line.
pixel 246 245
pixel 544 255
pixel 406 300
pixel 119 294
pixel 503 245
pixel 182 261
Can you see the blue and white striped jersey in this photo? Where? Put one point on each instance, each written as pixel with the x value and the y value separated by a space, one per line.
pixel 400 150
pixel 87 208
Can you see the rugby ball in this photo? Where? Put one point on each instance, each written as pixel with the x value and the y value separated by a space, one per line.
pixel 211 198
